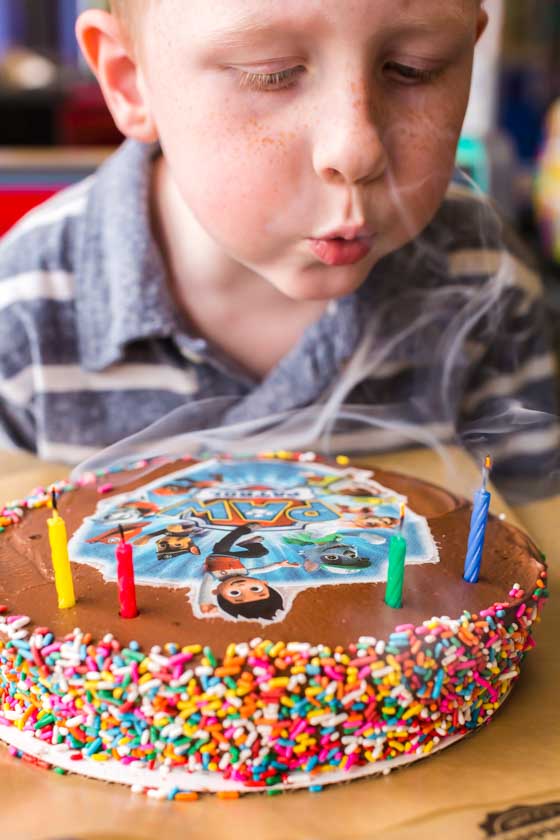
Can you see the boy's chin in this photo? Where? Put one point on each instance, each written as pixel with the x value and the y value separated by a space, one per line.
pixel 324 285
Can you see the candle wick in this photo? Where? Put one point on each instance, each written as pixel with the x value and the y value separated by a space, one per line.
pixel 486 471
pixel 121 531
pixel 53 501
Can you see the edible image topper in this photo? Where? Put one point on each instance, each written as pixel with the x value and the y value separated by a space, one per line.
pixel 244 537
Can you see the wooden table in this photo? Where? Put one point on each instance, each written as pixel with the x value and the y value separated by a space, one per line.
pixel 516 761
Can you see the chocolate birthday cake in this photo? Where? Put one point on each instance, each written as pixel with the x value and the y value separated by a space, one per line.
pixel 264 654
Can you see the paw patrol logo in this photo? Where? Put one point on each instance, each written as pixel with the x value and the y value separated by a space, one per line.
pixel 266 506
pixel 261 493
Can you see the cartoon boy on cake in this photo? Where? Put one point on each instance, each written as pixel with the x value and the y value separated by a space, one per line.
pixel 238 592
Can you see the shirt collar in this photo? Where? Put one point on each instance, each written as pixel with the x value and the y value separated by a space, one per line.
pixel 307 372
pixel 121 289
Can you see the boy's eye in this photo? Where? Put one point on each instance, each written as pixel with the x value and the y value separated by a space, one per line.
pixel 270 81
pixel 409 75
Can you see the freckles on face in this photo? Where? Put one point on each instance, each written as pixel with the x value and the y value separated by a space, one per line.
pixel 255 168
pixel 237 159
pixel 238 178
pixel 421 150
pixel 261 157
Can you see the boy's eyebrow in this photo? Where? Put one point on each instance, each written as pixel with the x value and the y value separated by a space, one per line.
pixel 229 38
pixel 246 33
pixel 239 34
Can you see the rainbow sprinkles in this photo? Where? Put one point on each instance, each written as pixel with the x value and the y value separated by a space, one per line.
pixel 259 715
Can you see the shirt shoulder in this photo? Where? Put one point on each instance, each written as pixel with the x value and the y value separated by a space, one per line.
pixel 474 245
pixel 57 234
pixel 468 220
pixel 46 238
pixel 37 282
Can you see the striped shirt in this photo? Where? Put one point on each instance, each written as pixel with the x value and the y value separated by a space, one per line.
pixel 446 337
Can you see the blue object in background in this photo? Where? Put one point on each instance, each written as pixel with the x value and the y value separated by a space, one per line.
pixel 49 28
pixel 12 24
pixel 523 105
pixel 472 158
pixel 66 20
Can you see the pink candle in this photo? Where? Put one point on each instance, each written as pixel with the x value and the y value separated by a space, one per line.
pixel 125 575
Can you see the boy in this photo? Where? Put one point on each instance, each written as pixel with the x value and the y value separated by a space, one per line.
pixel 276 233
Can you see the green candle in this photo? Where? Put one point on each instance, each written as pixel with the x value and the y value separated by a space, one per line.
pixel 395 578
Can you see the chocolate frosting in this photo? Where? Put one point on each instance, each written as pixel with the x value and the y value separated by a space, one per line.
pixel 330 614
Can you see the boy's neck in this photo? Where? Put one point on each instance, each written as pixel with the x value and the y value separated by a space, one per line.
pixel 223 301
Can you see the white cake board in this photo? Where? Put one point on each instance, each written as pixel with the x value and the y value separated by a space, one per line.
pixel 164 780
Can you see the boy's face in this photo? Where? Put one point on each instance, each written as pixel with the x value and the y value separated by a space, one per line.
pixel 243 590
pixel 327 113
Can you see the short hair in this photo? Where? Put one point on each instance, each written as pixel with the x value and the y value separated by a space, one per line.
pixel 122 8
pixel 128 13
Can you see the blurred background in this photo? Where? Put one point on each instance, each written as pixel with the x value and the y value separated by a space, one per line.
pixel 54 127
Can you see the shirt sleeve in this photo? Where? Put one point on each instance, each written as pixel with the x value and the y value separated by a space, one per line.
pixel 36 300
pixel 263 570
pixel 17 421
pixel 509 409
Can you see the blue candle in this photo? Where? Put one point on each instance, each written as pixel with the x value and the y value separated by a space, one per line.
pixel 477 532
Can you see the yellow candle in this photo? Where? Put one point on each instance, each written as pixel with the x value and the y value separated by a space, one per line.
pixel 60 560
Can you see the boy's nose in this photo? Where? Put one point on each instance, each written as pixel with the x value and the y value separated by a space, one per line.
pixel 348 146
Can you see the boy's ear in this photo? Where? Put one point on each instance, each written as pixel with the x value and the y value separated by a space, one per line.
pixel 109 55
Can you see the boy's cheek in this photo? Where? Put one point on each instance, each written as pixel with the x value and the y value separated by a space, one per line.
pixel 422 157
pixel 215 180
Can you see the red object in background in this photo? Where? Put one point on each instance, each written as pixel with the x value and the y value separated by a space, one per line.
pixel 15 203
pixel 82 119
pixel 85 120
